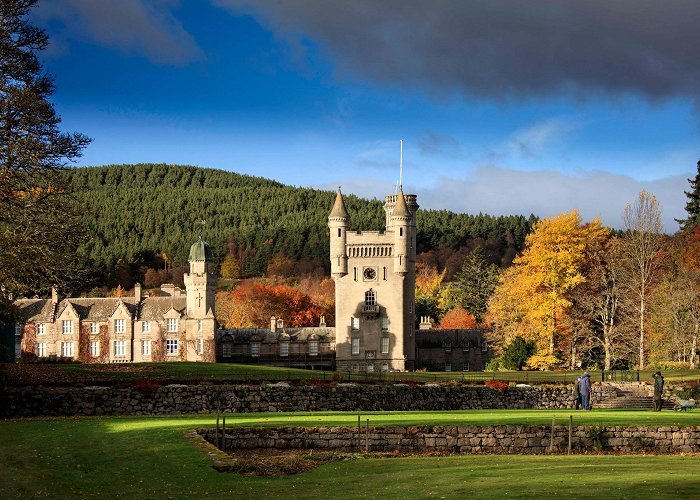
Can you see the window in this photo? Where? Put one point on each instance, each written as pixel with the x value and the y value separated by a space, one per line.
pixel 355 346
pixel 67 326
pixel 340 232
pixel 67 349
pixel 411 307
pixel 448 367
pixel 385 274
pixel 465 366
pixel 41 349
pixel 119 348
pixel 385 323
pixel 255 349
pixel 355 367
pixel 171 325
pixel 94 348
pixel 384 345
pixel 200 325
pixel 484 346
pixel 385 367
pixel 145 347
pixel 400 231
pixel 370 297
pixel 171 346
pixel 227 349
pixel 200 346
pixel 40 329
pixel 447 345
pixel 465 345
pixel 94 328
pixel 354 273
pixel 145 327
pixel 313 348
pixel 119 326
pixel 284 348
pixel 355 323
pixel 370 367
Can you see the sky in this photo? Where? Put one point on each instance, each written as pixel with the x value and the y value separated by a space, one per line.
pixel 504 107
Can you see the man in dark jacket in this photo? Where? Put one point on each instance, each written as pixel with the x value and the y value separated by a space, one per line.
pixel 658 391
pixel 577 393
pixel 584 387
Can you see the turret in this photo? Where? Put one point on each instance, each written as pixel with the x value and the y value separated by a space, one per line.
pixel 200 282
pixel 338 223
pixel 401 226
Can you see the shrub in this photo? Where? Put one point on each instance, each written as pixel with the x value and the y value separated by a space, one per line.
pixel 516 354
pixel 499 385
pixel 671 365
pixel 494 365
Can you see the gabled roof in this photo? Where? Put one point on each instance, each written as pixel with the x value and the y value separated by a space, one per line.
pixel 154 308
pixel 36 310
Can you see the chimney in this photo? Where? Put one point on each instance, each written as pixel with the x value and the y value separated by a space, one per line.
pixel 322 323
pixel 54 295
pixel 273 324
pixel 280 323
pixel 137 292
pixel 425 323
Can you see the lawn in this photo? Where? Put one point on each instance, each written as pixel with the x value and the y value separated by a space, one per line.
pixel 149 457
pixel 66 374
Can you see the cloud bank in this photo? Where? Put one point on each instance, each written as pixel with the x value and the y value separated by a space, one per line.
pixel 502 191
pixel 146 27
pixel 501 49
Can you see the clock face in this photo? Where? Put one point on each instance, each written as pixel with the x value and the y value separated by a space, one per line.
pixel 369 274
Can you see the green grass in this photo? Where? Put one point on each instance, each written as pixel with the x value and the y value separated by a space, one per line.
pixel 65 374
pixel 144 457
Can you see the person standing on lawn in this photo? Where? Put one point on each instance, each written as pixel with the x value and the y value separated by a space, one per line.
pixel 584 387
pixel 658 391
pixel 577 393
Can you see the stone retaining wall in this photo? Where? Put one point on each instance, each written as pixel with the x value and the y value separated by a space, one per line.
pixel 466 439
pixel 178 399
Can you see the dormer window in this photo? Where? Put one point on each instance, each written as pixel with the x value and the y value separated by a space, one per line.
pixel 67 327
pixel 41 329
pixel 94 328
pixel 447 344
pixel 171 325
pixel 119 326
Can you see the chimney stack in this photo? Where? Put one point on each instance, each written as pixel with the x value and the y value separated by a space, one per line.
pixel 54 295
pixel 137 292
pixel 273 324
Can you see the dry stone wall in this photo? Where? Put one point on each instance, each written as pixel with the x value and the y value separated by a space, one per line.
pixel 465 439
pixel 179 399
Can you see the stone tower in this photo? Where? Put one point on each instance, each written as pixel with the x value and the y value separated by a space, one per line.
pixel 374 273
pixel 200 286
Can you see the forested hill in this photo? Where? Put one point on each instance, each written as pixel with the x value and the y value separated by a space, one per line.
pixel 135 213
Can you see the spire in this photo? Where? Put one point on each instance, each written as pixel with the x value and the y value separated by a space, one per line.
pixel 401 209
pixel 339 211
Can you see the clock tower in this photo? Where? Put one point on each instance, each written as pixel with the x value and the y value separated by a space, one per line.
pixel 374 273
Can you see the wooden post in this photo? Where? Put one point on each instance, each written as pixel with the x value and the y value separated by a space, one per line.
pixel 551 439
pixel 217 430
pixel 223 434
pixel 359 433
pixel 367 437
pixel 571 432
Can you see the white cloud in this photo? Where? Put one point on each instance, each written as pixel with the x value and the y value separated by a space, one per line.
pixel 145 27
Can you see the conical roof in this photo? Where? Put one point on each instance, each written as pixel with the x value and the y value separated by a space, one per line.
pixel 200 251
pixel 401 209
pixel 339 207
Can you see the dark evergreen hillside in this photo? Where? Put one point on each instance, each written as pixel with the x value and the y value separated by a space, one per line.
pixel 136 213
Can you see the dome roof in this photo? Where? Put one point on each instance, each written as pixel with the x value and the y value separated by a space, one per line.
pixel 200 251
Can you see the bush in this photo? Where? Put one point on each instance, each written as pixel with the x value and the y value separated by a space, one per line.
pixel 499 385
pixel 670 365
pixel 516 354
pixel 494 365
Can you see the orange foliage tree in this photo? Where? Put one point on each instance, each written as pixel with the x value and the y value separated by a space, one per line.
pixel 251 304
pixel 456 319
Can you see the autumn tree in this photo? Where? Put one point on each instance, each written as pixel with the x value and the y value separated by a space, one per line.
pixel 457 319
pixel 642 243
pixel 230 268
pixel 38 224
pixel 280 266
pixel 428 290
pixel 534 294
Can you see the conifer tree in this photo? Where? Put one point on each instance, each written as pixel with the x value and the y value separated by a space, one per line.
pixel 37 224
pixel 692 207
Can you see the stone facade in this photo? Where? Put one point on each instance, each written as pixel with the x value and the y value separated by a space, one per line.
pixel 520 439
pixel 374 273
pixel 173 326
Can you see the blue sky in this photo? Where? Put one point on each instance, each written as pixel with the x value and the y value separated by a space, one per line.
pixel 505 107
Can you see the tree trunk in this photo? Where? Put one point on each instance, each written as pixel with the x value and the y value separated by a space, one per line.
pixel 693 351
pixel 606 346
pixel 641 333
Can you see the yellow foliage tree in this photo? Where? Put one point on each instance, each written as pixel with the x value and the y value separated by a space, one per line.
pixel 532 295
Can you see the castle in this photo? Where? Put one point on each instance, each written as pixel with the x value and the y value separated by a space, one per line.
pixel 173 326
pixel 374 274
